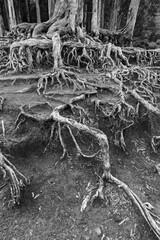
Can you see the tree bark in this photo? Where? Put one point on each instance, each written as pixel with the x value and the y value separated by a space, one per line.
pixel 59 11
pixel 64 16
pixel 51 6
pixel 18 11
pixel 7 14
pixel 73 6
pixel 131 18
pixel 80 13
pixel 113 23
pixel 12 16
pixel 27 10
pixel 94 23
pixel 38 12
pixel 99 13
pixel 102 14
pixel 1 25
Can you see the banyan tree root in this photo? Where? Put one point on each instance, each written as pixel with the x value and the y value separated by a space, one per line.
pixel 17 181
pixel 96 133
pixel 90 54
pixel 104 149
pixel 59 122
pixel 145 208
pixel 93 54
pixel 24 55
pixel 60 77
pixel 151 219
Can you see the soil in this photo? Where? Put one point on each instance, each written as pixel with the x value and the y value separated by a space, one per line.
pixel 51 206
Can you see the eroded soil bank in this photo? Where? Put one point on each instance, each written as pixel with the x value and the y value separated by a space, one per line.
pixel 51 205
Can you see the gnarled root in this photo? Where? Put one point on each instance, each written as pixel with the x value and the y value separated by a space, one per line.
pixel 147 215
pixel 145 208
pixel 60 77
pixel 96 133
pixel 16 179
pixel 103 154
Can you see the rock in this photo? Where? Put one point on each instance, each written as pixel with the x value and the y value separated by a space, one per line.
pixel 98 231
pixel 152 45
pixel 158 42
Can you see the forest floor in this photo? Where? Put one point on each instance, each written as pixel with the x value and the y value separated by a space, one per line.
pixel 51 205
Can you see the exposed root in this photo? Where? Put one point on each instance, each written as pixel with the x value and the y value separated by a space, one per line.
pixel 120 78
pixel 96 133
pixel 53 128
pixel 65 153
pixel 150 218
pixel 15 184
pixel 79 152
pixel 155 142
pixel 22 117
pixel 124 113
pixel 148 106
pixel 61 77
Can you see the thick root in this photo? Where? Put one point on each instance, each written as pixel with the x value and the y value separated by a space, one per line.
pixel 151 219
pixel 17 180
pixel 96 133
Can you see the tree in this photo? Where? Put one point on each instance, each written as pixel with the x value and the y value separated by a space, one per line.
pixel 131 18
pixel 1 22
pixel 94 26
pixel 27 10
pixel 18 11
pixel 63 40
pixel 51 6
pixel 38 11
pixel 113 24
pixel 12 16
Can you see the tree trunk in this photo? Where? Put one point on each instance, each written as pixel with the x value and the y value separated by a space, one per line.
pixel 99 13
pixel 38 12
pixel 1 24
pixel 131 18
pixel 27 10
pixel 113 23
pixel 102 14
pixel 7 14
pixel 94 23
pixel 73 6
pixel 12 16
pixel 18 11
pixel 80 13
pixel 51 6
pixel 60 9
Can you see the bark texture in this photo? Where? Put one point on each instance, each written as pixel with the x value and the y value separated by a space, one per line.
pixel 51 6
pixel 12 16
pixel 114 16
pixel 131 18
pixel 27 10
pixel 38 11
pixel 94 23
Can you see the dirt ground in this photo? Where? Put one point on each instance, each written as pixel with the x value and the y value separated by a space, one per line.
pixel 51 205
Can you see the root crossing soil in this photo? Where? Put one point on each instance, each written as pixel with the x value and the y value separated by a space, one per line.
pixel 51 206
